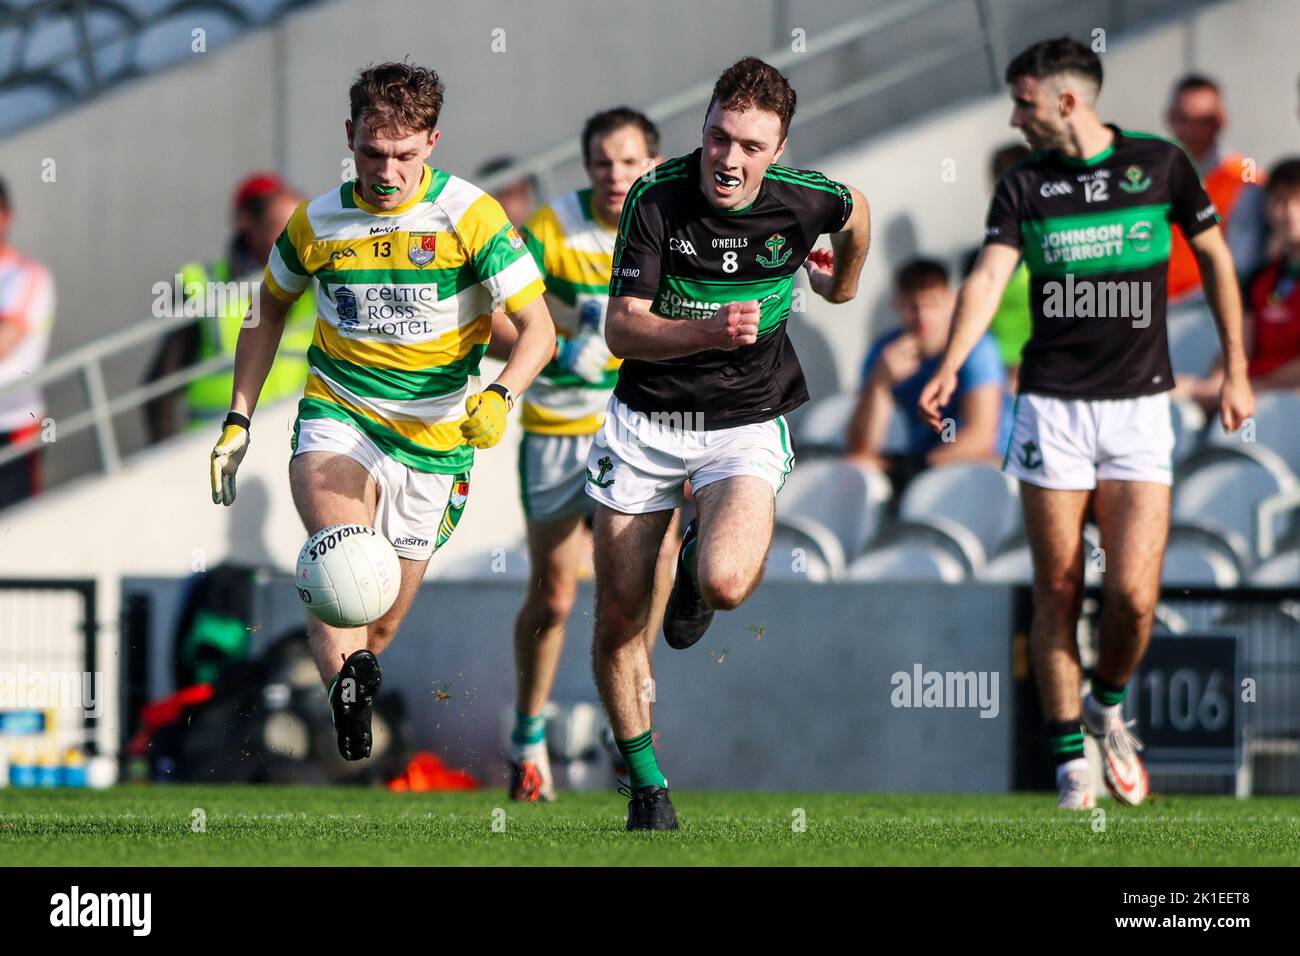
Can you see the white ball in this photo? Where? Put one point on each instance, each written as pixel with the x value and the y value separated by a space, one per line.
pixel 348 575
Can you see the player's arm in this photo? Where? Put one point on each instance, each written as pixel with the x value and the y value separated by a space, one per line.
pixel 977 301
pixel 981 410
pixel 259 337
pixel 533 346
pixel 834 277
pixel 632 331
pixel 504 336
pixel 1219 279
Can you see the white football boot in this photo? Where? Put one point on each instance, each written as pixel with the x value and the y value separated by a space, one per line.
pixel 530 773
pixel 1074 781
pixel 1122 768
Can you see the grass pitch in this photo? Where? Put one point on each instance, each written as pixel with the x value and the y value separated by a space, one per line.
pixel 252 826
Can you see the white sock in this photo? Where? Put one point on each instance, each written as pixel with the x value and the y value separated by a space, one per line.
pixel 1097 715
pixel 1063 770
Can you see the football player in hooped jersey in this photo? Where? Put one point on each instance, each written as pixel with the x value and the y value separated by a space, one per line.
pixel 411 263
pixel 1091 213
pixel 708 248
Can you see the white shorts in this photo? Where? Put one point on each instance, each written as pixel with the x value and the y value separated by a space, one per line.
pixel 638 465
pixel 417 510
pixel 1069 444
pixel 552 471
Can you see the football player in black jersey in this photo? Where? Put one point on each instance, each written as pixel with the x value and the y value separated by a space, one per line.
pixel 1091 212
pixel 704 265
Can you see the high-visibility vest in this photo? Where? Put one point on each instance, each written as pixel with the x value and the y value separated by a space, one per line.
pixel 209 395
pixel 1224 184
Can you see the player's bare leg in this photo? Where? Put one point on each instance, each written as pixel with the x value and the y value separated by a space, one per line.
pixel 334 489
pixel 555 549
pixel 722 556
pixel 627 552
pixel 1054 525
pixel 736 517
pixel 1133 517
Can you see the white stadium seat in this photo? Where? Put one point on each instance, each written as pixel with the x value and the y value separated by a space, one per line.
pixel 823 423
pixel 1189 421
pixel 797 556
pixel 1223 495
pixel 1196 557
pixel 1276 427
pixel 979 497
pixel 908 561
pixel 845 498
pixel 1193 340
pixel 1281 570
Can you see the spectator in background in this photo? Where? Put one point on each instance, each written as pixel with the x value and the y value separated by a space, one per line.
pixel 1272 301
pixel 26 316
pixel 1248 233
pixel 518 197
pixel 1196 118
pixel 899 364
pixel 262 207
pixel 1012 323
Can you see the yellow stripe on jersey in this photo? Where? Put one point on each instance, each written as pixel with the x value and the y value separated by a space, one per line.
pixel 445 349
pixel 434 437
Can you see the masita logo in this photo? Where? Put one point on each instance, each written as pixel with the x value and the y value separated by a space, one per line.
pixel 134 910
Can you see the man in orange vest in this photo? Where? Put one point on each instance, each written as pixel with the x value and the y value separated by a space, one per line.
pixel 1196 118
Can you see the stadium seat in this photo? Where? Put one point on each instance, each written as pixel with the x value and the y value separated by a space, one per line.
pixel 1189 421
pixel 978 497
pixel 845 498
pixel 1197 557
pixel 169 39
pixel 1281 570
pixel 1193 340
pixel 796 555
pixel 1222 496
pixel 1276 427
pixel 908 561
pixel 1016 566
pixel 823 423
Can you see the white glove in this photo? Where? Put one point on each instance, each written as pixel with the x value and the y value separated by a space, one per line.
pixel 585 355
pixel 226 456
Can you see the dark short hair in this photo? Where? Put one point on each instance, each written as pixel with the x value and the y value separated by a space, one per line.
pixel 752 83
pixel 1284 177
pixel 397 98
pixel 1191 82
pixel 607 121
pixel 918 275
pixel 1005 157
pixel 1055 57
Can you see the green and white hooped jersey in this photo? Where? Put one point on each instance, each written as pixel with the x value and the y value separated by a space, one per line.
pixel 575 253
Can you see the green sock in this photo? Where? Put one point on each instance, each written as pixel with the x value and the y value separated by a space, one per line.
pixel 1067 740
pixel 528 730
pixel 1108 695
pixel 639 753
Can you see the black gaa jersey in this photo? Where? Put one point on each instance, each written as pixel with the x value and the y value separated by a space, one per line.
pixel 1095 236
pixel 690 259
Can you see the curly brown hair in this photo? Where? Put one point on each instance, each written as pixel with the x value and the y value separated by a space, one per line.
pixel 752 83
pixel 397 98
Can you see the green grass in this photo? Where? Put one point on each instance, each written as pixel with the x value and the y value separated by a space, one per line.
pixel 251 826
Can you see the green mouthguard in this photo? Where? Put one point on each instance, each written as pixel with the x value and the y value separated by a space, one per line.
pixel 384 190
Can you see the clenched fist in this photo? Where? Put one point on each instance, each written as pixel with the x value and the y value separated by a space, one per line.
pixel 734 325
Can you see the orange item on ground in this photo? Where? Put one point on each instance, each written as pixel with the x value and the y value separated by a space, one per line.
pixel 427 772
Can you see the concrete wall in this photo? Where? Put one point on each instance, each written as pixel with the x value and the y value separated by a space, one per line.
pixel 766 701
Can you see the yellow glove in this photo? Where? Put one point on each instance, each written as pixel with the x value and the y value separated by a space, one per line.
pixel 486 423
pixel 226 456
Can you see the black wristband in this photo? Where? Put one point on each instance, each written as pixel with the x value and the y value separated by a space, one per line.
pixel 234 418
pixel 503 392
